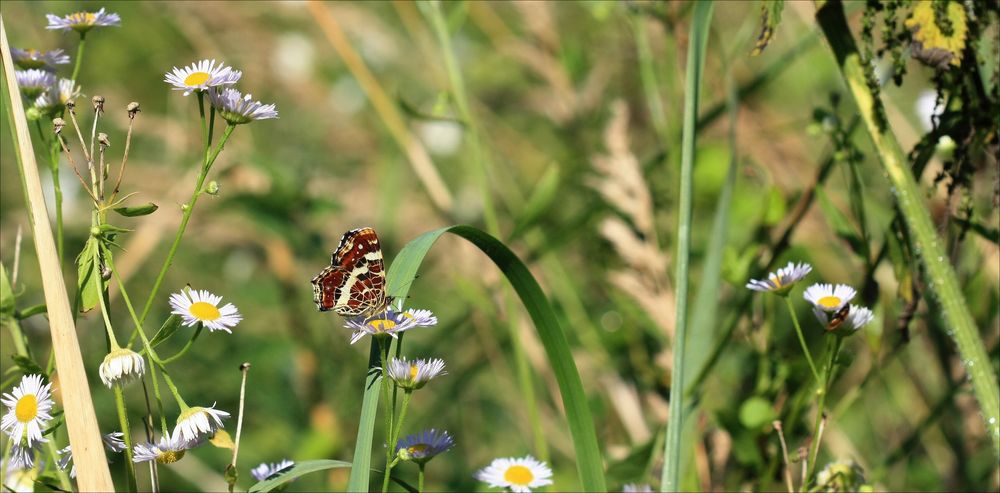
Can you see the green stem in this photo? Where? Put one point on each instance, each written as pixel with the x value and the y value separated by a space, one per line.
pixel 389 405
pixel 99 281
pixel 63 475
pixel 391 444
pixel 802 339
pixel 941 278
pixel 53 147
pixel 670 480
pixel 188 209
pixel 183 350
pixel 127 435
pixel 420 477
pixel 832 348
pixel 79 57
pixel 173 389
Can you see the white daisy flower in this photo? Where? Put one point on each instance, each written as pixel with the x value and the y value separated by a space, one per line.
pixel 82 22
pixel 854 318
pixel 56 96
pixel 424 446
pixel 390 322
pixel 519 475
pixel 637 488
pixel 201 75
pixel 28 410
pixel 23 456
pixel 238 109
pixel 781 282
pixel 121 366
pixel 196 422
pixel 828 297
pixel 112 442
pixel 201 306
pixel 169 449
pixel 32 58
pixel 268 471
pixel 34 82
pixel 412 375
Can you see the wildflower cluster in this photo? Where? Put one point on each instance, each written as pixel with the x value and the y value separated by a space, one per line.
pixel 28 419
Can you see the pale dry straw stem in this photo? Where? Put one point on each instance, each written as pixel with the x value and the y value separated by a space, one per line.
pixel 17 259
pixel 245 370
pixel 81 421
pixel 415 151
pixel 83 147
pixel 784 455
pixel 624 398
pixel 98 109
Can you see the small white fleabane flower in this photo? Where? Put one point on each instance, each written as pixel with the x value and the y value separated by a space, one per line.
pixel 23 456
pixel 34 82
pixel 269 470
pixel 169 449
pixel 56 96
pixel 32 58
pixel 846 321
pixel 201 306
pixel 411 375
pixel 828 297
pixel 781 282
pixel 196 422
pixel 859 317
pixel 112 442
pixel 424 446
pixel 121 366
pixel 238 109
pixel 82 22
pixel 520 475
pixel 389 322
pixel 199 76
pixel 637 488
pixel 27 410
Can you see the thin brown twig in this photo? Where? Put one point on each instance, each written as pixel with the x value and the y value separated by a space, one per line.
pixel 76 171
pixel 128 144
pixel 784 455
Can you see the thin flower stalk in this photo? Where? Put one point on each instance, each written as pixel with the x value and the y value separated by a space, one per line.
pixel 833 348
pixel 802 339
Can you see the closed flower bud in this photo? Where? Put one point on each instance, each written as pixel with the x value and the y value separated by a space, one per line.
pixel 212 188
pixel 132 109
pixel 98 103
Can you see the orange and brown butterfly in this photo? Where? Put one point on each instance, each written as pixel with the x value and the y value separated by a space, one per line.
pixel 354 283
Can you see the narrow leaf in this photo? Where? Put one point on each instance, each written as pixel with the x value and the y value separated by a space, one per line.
pixel 89 292
pixel 6 296
pixel 170 325
pixel 137 210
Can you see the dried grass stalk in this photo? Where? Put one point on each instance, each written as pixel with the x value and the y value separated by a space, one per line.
pixel 81 422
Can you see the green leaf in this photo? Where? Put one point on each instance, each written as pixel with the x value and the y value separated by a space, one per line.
pixel 137 210
pixel 89 291
pixel 756 412
pixel 839 221
pixel 298 470
pixel 581 424
pixel 27 365
pixel 6 296
pixel 170 325
pixel 110 228
pixel 770 17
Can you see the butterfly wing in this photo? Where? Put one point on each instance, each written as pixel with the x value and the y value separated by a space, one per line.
pixel 354 284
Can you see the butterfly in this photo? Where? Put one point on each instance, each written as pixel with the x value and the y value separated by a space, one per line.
pixel 354 283
pixel 838 318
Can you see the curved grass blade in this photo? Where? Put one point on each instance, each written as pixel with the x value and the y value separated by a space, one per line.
pixel 298 470
pixel 361 469
pixel 581 425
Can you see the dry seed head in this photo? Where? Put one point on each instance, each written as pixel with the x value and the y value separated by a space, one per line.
pixel 58 124
pixel 132 109
pixel 103 139
pixel 71 105
pixel 98 103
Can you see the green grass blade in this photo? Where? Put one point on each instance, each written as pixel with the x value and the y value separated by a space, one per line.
pixel 361 469
pixel 695 64
pixel 298 470
pixel 941 279
pixel 581 425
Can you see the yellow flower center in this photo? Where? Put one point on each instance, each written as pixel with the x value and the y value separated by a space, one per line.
pixel 776 280
pixel 382 325
pixel 419 448
pixel 197 78
pixel 205 311
pixel 82 18
pixel 170 456
pixel 829 301
pixel 518 475
pixel 26 408
pixel 413 372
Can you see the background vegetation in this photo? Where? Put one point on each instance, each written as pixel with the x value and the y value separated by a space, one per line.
pixel 571 156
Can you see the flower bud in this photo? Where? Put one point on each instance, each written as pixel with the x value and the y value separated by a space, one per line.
pixel 212 188
pixel 33 114
pixel 98 103
pixel 103 139
pixel 71 105
pixel 132 109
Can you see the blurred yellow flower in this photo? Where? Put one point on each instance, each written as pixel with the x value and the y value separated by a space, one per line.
pixel 939 40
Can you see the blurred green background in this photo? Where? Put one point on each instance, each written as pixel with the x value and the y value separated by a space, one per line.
pixel 556 89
